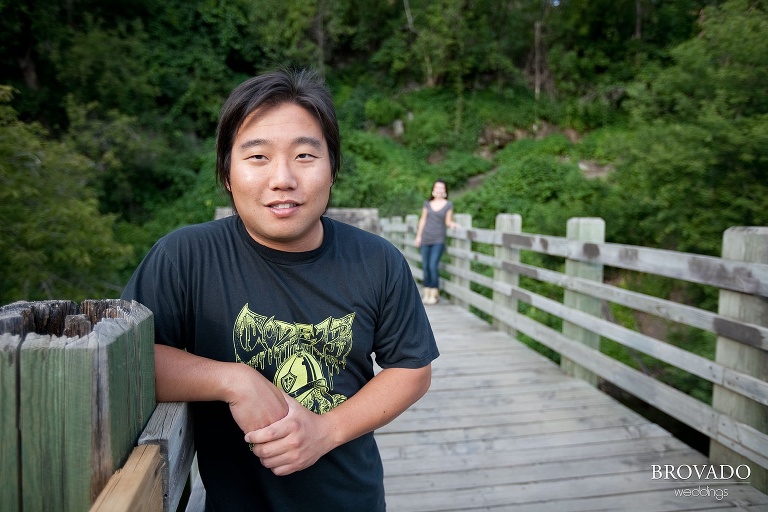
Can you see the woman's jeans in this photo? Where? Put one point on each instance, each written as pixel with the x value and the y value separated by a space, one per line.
pixel 430 259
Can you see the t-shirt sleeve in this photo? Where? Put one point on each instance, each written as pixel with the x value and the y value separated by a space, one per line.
pixel 404 337
pixel 156 285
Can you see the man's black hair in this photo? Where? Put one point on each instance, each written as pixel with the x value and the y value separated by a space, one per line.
pixel 302 87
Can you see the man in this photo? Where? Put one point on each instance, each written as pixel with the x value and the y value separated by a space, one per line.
pixel 303 301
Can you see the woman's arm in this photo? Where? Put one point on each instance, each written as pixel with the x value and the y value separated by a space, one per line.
pixel 449 219
pixel 183 377
pixel 420 226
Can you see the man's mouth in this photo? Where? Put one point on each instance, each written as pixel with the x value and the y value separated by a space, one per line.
pixel 280 206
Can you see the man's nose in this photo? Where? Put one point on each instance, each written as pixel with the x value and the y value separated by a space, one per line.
pixel 283 175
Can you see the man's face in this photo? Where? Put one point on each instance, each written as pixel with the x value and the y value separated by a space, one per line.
pixel 280 177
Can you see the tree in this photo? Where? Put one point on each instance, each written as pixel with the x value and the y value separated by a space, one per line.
pixel 54 243
pixel 594 48
pixel 698 162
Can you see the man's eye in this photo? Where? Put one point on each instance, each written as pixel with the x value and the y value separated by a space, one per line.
pixel 304 156
pixel 257 157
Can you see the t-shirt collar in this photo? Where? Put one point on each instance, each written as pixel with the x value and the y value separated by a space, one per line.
pixel 285 257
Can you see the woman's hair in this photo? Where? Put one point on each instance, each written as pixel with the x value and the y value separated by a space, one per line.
pixel 431 197
pixel 302 87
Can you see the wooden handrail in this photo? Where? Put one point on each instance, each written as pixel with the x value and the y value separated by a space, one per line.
pixel 743 437
pixel 162 461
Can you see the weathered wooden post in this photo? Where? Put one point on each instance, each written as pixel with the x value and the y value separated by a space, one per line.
pixel 742 244
pixel 363 218
pixel 462 264
pixel 10 342
pixel 506 223
pixel 589 231
pixel 412 223
pixel 85 391
pixel 384 228
pixel 396 235
pixel 412 253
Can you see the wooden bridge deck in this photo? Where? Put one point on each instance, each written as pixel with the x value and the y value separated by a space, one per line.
pixel 502 428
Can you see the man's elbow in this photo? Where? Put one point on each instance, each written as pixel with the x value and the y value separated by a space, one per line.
pixel 424 381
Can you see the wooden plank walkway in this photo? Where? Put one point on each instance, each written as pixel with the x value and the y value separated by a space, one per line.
pixel 502 428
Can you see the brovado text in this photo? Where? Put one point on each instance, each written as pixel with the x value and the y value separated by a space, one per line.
pixel 699 472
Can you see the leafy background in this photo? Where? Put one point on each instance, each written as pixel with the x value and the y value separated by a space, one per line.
pixel 652 114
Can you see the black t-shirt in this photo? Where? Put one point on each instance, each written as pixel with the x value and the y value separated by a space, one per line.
pixel 307 321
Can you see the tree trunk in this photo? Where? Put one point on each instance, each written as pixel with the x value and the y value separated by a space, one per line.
pixel 29 70
pixel 320 36
pixel 409 16
pixel 537 60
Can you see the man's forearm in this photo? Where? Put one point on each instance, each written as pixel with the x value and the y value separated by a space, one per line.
pixel 183 377
pixel 380 401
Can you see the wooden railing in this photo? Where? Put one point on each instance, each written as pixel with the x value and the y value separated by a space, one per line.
pixel 484 274
pixel 156 474
pixel 79 425
pixel 78 388
pixel 483 271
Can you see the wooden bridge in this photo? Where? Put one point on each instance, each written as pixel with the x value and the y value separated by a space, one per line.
pixel 504 428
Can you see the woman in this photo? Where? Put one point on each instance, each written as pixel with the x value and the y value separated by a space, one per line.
pixel 436 216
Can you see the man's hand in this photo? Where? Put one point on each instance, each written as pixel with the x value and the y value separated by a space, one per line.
pixel 254 401
pixel 293 443
pixel 302 437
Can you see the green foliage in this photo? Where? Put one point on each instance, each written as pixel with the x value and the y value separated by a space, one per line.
pixel 720 73
pixel 136 171
pixel 683 185
pixel 457 167
pixel 604 145
pixel 594 49
pixel 383 111
pixel 454 43
pixel 552 146
pixel 696 162
pixel 587 114
pixel 438 119
pixel 110 67
pixel 350 105
pixel 378 173
pixel 672 98
pixel 535 182
pixel 512 108
pixel 198 204
pixel 55 244
pixel 428 130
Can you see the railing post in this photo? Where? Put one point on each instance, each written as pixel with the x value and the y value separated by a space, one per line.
pixel 462 264
pixel 506 223
pixel 384 228
pixel 412 223
pixel 64 439
pixel 396 237
pixel 412 253
pixel 588 230
pixel 742 244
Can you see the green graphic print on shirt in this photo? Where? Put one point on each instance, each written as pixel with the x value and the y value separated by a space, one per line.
pixel 306 356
